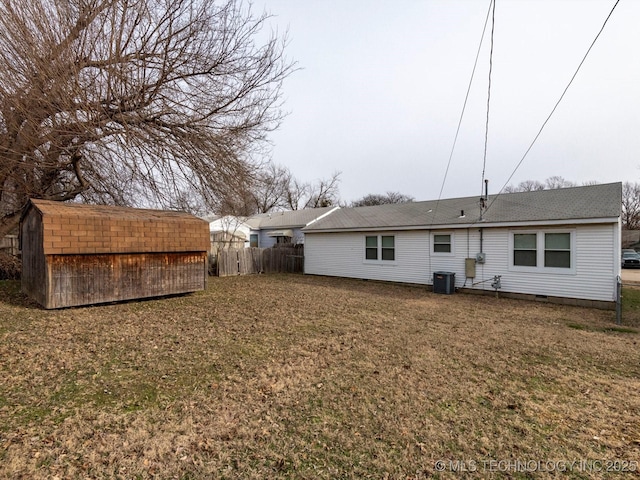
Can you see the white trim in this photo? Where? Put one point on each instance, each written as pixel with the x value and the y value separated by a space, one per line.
pixel 451 253
pixel 449 226
pixel 540 250
pixel 279 233
pixel 379 260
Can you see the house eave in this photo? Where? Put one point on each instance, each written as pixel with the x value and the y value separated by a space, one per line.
pixel 477 224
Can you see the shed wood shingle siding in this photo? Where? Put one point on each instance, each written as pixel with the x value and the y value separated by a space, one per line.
pixel 87 229
pixel 84 254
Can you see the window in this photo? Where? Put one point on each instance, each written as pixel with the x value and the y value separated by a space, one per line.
pixel 388 248
pixel 557 250
pixel 380 247
pixel 253 240
pixel 525 251
pixel 543 251
pixel 442 243
pixel 371 249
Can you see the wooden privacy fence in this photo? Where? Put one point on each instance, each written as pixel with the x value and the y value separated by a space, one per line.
pixel 247 261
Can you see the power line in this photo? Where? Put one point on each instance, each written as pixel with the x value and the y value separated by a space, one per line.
pixel 464 106
pixel 556 105
pixel 486 128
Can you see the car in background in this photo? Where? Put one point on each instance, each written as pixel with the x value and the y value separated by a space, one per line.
pixel 630 260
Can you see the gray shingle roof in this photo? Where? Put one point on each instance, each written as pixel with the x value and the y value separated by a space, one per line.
pixel 570 204
pixel 289 219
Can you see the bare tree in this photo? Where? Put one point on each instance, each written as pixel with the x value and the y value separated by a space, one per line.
pixel 631 206
pixel 325 192
pixel 526 186
pixel 274 187
pixel 556 181
pixel 549 184
pixel 297 194
pixel 382 199
pixel 146 102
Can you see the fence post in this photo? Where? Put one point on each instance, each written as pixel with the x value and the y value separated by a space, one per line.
pixel 618 300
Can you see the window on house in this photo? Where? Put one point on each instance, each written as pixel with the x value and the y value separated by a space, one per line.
pixel 442 243
pixel 388 247
pixel 253 240
pixel 371 248
pixel 525 252
pixel 541 250
pixel 380 247
pixel 557 250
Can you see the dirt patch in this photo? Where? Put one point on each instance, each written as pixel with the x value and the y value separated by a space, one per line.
pixel 292 376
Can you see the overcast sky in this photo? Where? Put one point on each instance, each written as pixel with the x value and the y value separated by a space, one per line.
pixel 381 87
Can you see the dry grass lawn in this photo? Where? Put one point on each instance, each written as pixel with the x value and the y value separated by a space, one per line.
pixel 289 376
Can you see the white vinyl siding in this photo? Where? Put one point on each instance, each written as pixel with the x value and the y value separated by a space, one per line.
pixel 543 251
pixel 342 255
pixel 592 275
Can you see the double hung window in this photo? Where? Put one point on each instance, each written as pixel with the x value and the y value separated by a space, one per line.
pixel 380 248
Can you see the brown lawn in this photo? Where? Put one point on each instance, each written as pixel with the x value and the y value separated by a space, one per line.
pixel 290 376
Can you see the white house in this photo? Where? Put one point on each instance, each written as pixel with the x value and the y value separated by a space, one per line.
pixel 287 226
pixel 265 230
pixel 550 244
pixel 229 231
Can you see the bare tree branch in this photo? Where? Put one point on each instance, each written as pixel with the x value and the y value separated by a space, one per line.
pixel 631 206
pixel 382 199
pixel 324 193
pixel 151 102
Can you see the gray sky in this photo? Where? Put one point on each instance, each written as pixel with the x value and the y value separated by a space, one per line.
pixel 382 84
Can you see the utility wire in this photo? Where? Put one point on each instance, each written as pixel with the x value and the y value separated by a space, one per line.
pixel 556 105
pixel 486 128
pixel 464 106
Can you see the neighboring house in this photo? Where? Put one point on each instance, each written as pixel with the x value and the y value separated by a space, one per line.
pixel 286 227
pixel 548 244
pixel 268 229
pixel 228 232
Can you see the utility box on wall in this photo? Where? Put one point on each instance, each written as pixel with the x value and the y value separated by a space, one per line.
pixel 470 267
pixel 444 282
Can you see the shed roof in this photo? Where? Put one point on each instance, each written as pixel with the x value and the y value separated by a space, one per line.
pixel 566 204
pixel 71 228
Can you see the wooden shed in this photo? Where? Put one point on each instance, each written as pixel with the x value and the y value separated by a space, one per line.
pixel 75 254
